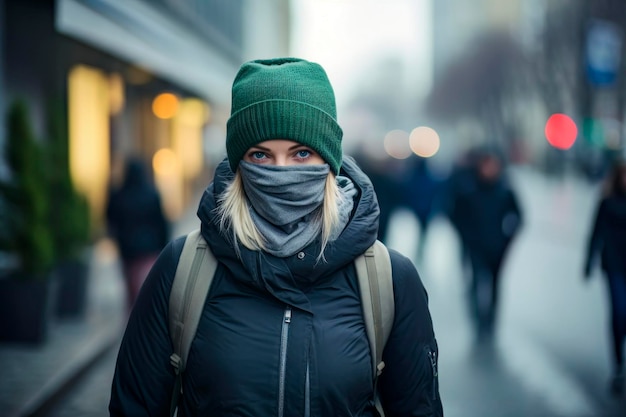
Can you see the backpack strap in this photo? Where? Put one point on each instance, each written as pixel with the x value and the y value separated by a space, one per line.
pixel 194 274
pixel 376 287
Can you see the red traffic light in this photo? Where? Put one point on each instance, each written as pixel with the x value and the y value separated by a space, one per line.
pixel 561 131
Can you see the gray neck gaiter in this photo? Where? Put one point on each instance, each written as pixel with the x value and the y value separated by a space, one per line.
pixel 285 202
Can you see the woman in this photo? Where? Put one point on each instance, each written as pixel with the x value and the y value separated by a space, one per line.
pixel 285 216
pixel 608 237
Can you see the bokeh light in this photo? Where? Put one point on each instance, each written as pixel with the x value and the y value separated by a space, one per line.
pixel 396 144
pixel 424 141
pixel 165 105
pixel 164 162
pixel 561 131
pixel 193 112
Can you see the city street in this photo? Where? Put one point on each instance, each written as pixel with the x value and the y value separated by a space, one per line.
pixel 550 356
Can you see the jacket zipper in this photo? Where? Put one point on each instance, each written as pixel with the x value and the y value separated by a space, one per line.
pixel 284 336
pixel 307 392
pixel 433 363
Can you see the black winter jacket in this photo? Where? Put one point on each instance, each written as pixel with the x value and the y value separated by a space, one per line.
pixel 281 336
pixel 608 235
pixel 135 216
pixel 488 217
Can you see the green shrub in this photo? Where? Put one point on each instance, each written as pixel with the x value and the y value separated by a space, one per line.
pixel 70 213
pixel 25 228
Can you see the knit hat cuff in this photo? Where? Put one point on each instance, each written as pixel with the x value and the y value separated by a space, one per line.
pixel 284 119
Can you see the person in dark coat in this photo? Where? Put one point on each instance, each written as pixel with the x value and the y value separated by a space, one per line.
pixel 488 217
pixel 422 194
pixel 608 239
pixel 282 331
pixel 460 181
pixel 386 176
pixel 137 223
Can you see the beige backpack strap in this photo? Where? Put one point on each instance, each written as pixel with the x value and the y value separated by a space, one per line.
pixel 376 287
pixel 194 274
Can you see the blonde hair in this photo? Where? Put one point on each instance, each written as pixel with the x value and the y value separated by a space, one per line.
pixel 234 214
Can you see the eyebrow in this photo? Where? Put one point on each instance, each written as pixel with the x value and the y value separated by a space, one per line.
pixel 263 148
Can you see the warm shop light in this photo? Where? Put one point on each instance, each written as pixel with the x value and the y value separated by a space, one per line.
pixel 193 112
pixel 187 135
pixel 424 141
pixel 168 179
pixel 116 93
pixel 89 109
pixel 165 105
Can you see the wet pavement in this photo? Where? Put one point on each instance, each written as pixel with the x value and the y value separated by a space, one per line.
pixel 549 356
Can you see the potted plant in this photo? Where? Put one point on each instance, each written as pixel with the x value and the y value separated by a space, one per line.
pixel 69 221
pixel 25 289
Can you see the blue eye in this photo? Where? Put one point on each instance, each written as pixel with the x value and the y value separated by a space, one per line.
pixel 303 153
pixel 258 155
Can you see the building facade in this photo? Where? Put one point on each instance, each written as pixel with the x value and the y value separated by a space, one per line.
pixel 135 77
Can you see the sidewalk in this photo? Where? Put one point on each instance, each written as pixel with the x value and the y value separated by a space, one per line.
pixel 33 377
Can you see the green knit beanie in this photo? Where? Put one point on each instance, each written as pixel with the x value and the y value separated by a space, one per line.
pixel 283 98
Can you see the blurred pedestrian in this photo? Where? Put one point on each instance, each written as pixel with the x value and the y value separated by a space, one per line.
pixel 488 217
pixel 421 193
pixel 460 182
pixel 608 238
pixel 137 223
pixel 386 175
pixel 282 330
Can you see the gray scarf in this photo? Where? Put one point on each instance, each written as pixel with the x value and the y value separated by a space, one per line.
pixel 286 203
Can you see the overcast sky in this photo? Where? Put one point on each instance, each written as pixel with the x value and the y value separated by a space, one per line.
pixel 347 36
